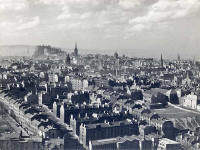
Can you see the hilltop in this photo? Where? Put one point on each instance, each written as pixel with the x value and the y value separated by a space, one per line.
pixel 47 51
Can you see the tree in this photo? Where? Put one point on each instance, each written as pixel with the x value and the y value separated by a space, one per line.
pixel 173 97
pixel 112 83
pixel 137 95
pixel 129 82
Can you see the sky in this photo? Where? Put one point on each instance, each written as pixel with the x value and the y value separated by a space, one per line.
pixel 142 28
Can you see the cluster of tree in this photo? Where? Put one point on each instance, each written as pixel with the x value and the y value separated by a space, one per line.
pixel 137 95
pixel 159 98
pixel 173 98
pixel 168 130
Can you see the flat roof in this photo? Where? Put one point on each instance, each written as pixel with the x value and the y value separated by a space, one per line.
pixel 118 123
pixel 168 141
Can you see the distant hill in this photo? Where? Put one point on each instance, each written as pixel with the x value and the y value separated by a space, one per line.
pixel 17 50
pixel 28 50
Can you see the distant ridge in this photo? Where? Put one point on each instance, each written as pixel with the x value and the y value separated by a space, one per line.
pixel 17 50
pixel 30 50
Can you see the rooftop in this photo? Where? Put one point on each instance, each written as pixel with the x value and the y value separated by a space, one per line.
pixel 167 141
pixel 118 123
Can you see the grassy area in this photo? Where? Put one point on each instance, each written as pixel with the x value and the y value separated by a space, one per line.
pixel 171 112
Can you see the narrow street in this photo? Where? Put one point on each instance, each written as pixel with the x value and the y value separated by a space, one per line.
pixel 11 121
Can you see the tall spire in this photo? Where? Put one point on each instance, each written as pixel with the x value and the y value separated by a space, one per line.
pixel 76 50
pixel 178 57
pixel 116 55
pixel 68 60
pixel 161 61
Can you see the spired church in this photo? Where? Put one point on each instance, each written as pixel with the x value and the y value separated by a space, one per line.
pixel 76 50
pixel 74 57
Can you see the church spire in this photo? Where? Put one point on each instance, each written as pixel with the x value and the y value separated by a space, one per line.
pixel 76 50
pixel 68 60
pixel 178 57
pixel 161 61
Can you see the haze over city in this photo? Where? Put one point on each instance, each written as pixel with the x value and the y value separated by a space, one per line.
pixel 143 28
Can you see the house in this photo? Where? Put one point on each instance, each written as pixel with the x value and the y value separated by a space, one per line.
pixel 191 101
pixel 31 98
pixel 167 144
pixel 106 130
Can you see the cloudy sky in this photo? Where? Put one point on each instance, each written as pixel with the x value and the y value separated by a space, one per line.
pixel 132 27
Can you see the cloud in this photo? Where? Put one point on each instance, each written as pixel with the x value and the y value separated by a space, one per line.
pixel 129 4
pixel 64 16
pixel 30 24
pixel 142 20
pixel 3 24
pixel 86 15
pixel 100 14
pixel 80 9
pixel 167 10
pixel 10 5
pixel 140 27
pixel 49 2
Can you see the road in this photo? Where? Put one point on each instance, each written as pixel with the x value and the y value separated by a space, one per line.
pixel 47 111
pixel 176 112
pixel 184 109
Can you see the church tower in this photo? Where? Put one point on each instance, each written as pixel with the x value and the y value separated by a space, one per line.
pixel 68 60
pixel 76 50
pixel 116 55
pixel 178 57
pixel 161 61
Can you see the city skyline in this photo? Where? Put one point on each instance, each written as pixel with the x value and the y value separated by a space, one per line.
pixel 28 50
pixel 57 100
pixel 99 75
pixel 138 28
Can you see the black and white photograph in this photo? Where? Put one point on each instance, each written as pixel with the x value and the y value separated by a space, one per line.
pixel 99 74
